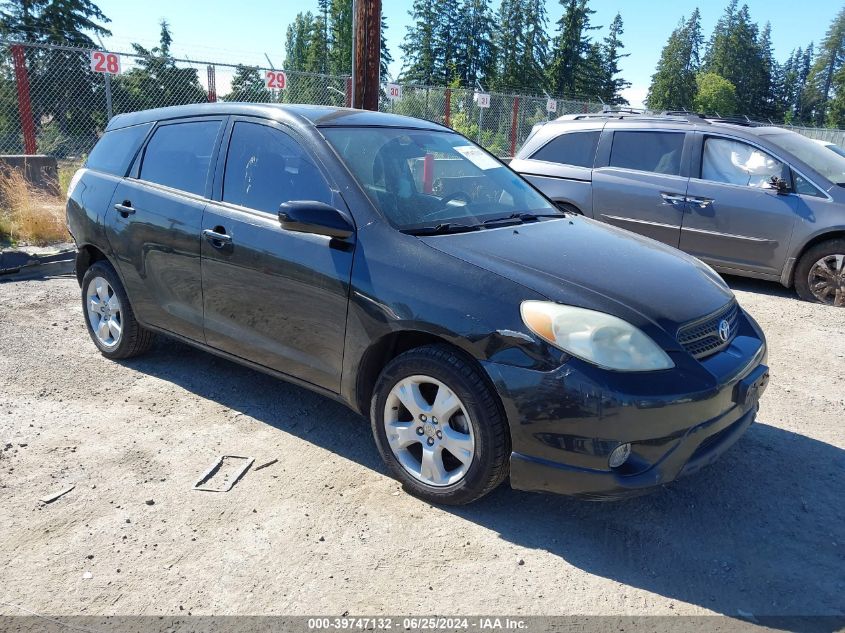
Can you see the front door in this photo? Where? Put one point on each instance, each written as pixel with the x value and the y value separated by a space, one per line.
pixel 274 297
pixel 736 219
pixel 642 185
pixel 154 224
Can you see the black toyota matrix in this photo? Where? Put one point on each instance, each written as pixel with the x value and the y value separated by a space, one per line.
pixel 393 265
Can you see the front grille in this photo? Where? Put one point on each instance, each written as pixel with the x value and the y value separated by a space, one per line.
pixel 701 337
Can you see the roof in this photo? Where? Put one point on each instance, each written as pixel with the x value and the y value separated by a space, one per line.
pixel 320 116
pixel 679 117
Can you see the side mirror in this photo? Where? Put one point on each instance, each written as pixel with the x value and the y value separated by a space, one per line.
pixel 779 185
pixel 310 216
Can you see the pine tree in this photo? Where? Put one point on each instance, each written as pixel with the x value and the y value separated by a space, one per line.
pixel 418 47
pixel 298 41
pixel 444 40
pixel 573 50
pixel 476 55
pixel 535 47
pixel 673 84
pixel 803 97
pixel 66 22
pixel 612 47
pixel 248 85
pixel 829 60
pixel 385 58
pixel 771 107
pixel 509 44
pixel 340 37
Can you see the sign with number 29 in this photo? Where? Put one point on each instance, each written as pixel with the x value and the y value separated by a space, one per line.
pixel 275 80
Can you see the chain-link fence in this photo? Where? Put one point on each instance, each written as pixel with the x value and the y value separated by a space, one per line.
pixel 58 99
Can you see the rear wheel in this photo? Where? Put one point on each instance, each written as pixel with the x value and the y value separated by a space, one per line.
pixel 820 274
pixel 109 317
pixel 439 427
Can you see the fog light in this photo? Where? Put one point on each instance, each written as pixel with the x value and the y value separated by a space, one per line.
pixel 619 455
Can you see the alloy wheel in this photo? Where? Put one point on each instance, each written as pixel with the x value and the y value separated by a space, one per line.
pixel 104 312
pixel 429 430
pixel 827 279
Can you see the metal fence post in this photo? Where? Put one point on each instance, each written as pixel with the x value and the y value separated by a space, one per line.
pixel 514 124
pixel 447 114
pixel 212 85
pixel 24 102
pixel 349 92
pixel 108 96
pixel 480 115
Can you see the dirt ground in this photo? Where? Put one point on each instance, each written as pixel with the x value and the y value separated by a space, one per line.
pixel 326 531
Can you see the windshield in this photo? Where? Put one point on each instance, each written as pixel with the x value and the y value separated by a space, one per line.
pixel 829 164
pixel 425 179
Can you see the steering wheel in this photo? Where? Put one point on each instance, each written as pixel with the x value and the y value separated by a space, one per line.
pixel 445 200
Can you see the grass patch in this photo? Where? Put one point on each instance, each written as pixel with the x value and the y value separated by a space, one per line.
pixel 27 215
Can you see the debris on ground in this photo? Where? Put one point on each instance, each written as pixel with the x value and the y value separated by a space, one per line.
pixel 224 473
pixel 52 497
pixel 266 464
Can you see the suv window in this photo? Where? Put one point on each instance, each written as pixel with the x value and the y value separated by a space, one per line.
pixel 659 152
pixel 178 155
pixel 737 163
pixel 113 153
pixel 573 148
pixel 265 167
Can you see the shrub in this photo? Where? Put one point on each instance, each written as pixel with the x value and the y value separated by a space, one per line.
pixel 28 215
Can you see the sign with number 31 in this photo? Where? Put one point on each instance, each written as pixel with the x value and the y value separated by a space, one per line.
pixel 103 62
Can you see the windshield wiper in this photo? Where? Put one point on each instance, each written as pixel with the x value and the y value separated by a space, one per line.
pixel 519 218
pixel 446 227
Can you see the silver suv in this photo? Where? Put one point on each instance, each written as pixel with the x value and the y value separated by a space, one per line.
pixel 748 199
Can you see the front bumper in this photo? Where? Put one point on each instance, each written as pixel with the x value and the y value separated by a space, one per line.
pixel 565 423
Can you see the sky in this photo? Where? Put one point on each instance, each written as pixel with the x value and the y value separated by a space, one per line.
pixel 244 32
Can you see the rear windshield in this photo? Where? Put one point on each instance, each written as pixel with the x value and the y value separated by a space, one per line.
pixel 115 151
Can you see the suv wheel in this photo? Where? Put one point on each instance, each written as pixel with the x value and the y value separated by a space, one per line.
pixel 109 317
pixel 439 427
pixel 820 274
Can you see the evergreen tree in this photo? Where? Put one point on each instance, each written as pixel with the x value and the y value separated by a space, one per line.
pixel 298 41
pixel 418 48
pixel 340 38
pixel 509 44
pixel 573 51
pixel 803 97
pixel 444 40
pixel 612 84
pixel 535 47
pixel 476 56
pixel 59 22
pixel 248 85
pixel 829 60
pixel 385 58
pixel 673 84
pixel 734 53
pixel 771 107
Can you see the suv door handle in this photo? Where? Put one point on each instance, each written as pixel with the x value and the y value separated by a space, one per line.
pixel 701 203
pixel 217 239
pixel 673 198
pixel 124 208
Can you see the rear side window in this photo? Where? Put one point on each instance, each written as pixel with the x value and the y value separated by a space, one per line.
pixel 178 155
pixel 573 148
pixel 658 152
pixel 265 167
pixel 113 153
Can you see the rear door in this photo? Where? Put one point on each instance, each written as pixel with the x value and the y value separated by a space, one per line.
pixel 275 297
pixel 640 180
pixel 155 221
pixel 736 220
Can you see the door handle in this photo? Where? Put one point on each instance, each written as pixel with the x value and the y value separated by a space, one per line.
pixel 701 203
pixel 673 198
pixel 124 208
pixel 217 237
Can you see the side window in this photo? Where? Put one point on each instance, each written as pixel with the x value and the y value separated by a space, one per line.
pixel 178 155
pixel 573 148
pixel 803 187
pixel 113 153
pixel 265 167
pixel 737 163
pixel 659 152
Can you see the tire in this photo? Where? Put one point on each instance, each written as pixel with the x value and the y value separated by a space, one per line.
pixel 823 263
pixel 122 336
pixel 473 426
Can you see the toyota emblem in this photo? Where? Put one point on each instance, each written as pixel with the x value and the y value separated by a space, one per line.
pixel 724 330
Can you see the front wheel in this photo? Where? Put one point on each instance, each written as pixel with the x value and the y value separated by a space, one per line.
pixel 439 426
pixel 820 274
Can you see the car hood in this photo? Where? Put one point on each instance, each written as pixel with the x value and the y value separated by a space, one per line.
pixel 578 261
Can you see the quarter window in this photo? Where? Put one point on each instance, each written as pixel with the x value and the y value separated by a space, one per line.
pixel 658 152
pixel 573 148
pixel 737 163
pixel 117 148
pixel 266 167
pixel 178 155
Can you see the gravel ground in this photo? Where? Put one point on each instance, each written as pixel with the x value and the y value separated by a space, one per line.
pixel 326 531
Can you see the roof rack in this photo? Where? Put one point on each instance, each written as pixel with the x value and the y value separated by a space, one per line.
pixel 675 115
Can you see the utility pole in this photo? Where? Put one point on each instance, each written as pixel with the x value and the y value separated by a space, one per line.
pixel 366 53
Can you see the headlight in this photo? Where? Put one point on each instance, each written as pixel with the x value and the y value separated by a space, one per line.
pixel 595 337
